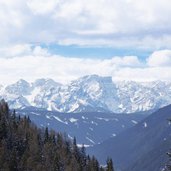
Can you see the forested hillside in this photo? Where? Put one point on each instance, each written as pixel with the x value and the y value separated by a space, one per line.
pixel 25 147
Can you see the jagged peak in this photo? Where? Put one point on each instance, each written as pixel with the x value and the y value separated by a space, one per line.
pixel 43 81
pixel 98 91
pixel 94 77
pixel 20 82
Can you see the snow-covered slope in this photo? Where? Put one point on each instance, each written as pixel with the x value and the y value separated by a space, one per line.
pixel 88 128
pixel 89 93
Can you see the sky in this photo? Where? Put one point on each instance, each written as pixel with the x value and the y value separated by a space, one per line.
pixel 67 39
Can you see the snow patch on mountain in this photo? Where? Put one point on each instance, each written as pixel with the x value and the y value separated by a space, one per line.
pixel 73 120
pixel 133 121
pixel 90 140
pixel 58 119
pixel 145 124
pixel 87 94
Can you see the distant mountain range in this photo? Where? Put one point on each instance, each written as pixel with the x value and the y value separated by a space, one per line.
pixel 142 147
pixel 88 94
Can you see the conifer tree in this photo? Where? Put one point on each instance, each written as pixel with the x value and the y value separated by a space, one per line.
pixel 24 147
pixel 109 165
pixel 46 135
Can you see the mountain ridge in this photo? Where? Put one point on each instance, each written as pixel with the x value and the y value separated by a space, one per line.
pixel 146 144
pixel 89 128
pixel 88 93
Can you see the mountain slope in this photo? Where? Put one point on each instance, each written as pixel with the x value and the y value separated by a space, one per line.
pixel 140 147
pixel 156 159
pixel 88 94
pixel 89 128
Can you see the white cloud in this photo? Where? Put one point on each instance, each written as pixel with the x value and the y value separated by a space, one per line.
pixel 41 6
pixel 118 23
pixel 22 50
pixel 126 61
pixel 39 51
pixel 37 63
pixel 160 58
pixel 143 74
pixel 15 50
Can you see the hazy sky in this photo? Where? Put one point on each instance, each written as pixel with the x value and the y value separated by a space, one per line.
pixel 66 39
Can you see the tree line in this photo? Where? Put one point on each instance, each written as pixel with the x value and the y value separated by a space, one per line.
pixel 25 147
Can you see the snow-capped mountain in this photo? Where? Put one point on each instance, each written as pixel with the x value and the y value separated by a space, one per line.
pixel 89 93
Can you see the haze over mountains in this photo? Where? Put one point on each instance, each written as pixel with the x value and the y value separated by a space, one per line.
pixel 88 94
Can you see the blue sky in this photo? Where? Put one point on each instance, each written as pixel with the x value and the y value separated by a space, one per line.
pixel 67 39
pixel 95 52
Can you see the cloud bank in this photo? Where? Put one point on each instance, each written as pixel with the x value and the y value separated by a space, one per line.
pixel 118 23
pixel 31 63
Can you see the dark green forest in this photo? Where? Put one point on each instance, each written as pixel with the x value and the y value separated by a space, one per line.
pixel 25 147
